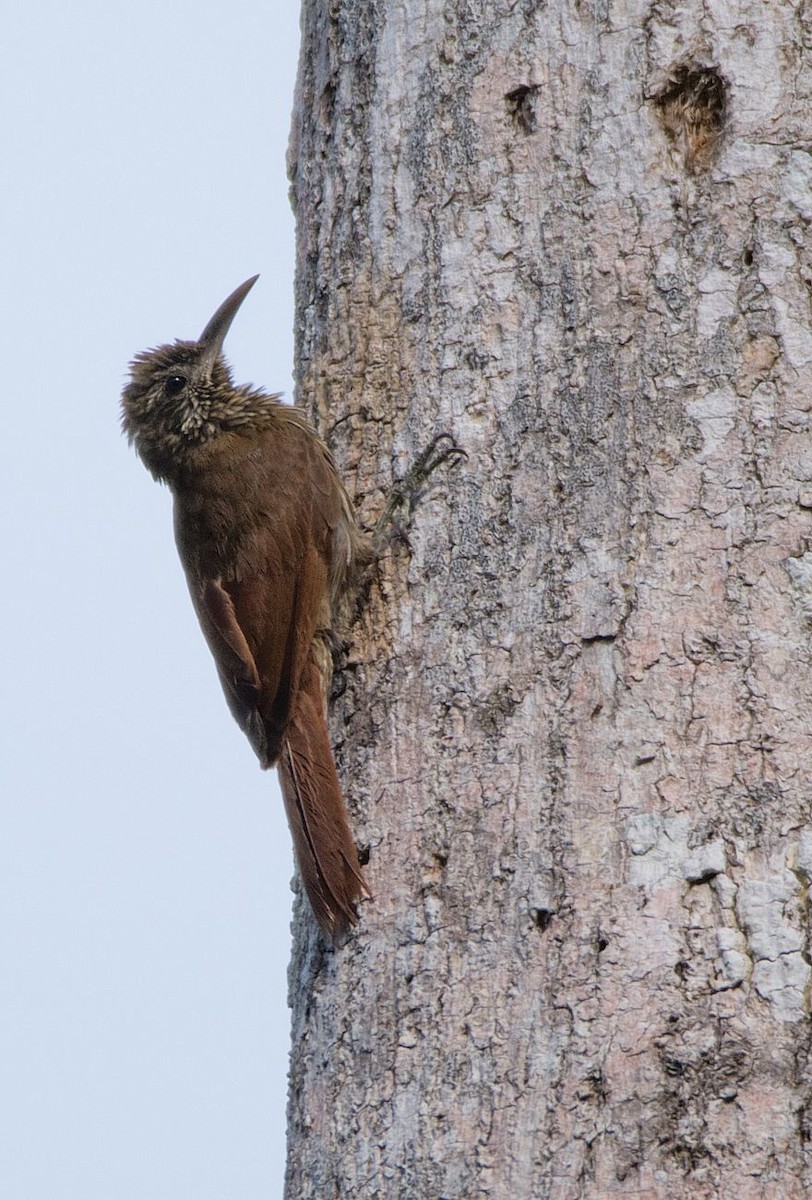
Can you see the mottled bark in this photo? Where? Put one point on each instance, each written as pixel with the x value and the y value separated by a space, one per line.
pixel 575 720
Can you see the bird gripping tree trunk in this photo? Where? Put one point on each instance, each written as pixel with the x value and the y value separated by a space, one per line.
pixel 270 547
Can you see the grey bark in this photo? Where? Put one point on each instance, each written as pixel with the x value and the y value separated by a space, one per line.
pixel 574 721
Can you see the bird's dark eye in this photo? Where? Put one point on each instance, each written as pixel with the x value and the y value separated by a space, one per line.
pixel 174 385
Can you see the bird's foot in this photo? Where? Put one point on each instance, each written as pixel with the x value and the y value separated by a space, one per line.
pixel 406 493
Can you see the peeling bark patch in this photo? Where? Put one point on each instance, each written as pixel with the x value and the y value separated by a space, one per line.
pixel 522 106
pixel 692 108
pixel 705 863
pixel 764 940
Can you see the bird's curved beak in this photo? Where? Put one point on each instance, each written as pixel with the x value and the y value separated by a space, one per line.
pixel 212 338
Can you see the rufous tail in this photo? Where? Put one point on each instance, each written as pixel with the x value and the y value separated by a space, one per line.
pixel 325 850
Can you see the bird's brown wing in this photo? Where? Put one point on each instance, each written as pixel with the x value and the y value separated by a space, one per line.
pixel 234 659
pixel 277 614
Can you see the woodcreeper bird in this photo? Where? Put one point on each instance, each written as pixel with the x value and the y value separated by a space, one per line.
pixel 269 543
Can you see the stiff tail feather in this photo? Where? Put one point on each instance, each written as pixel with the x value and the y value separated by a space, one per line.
pixel 325 851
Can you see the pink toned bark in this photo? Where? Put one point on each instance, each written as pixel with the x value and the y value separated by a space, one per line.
pixel 574 724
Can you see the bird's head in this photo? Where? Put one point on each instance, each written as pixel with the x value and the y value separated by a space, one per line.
pixel 182 394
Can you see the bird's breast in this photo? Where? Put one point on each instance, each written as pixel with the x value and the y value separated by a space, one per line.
pixel 246 506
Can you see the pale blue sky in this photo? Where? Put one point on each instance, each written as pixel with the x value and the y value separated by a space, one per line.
pixel 144 858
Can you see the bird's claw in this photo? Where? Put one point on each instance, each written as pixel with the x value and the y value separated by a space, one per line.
pixel 406 492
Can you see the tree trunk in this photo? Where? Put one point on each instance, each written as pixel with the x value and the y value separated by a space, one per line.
pixel 574 724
